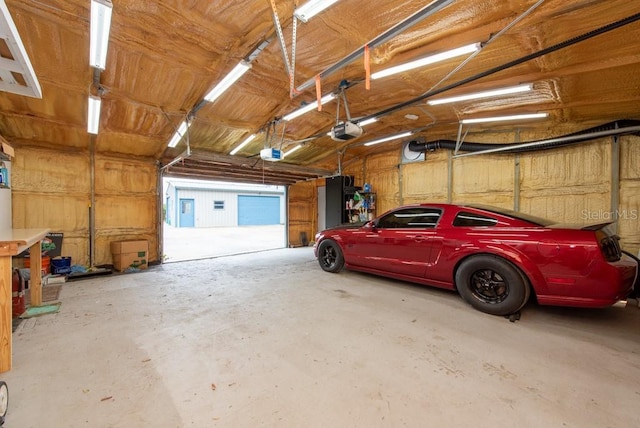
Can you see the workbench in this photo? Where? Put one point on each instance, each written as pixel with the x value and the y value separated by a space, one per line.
pixel 12 243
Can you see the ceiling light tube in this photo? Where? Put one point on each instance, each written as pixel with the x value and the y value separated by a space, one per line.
pixel 389 138
pixel 311 9
pixel 308 107
pixel 244 143
pixel 427 60
pixel 368 121
pixel 483 94
pixel 505 118
pixel 228 80
pixel 93 118
pixel 99 38
pixel 182 130
pixel 284 155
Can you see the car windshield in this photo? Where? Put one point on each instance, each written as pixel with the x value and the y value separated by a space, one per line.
pixel 539 221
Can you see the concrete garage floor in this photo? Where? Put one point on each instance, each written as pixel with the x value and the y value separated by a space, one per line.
pixel 194 243
pixel 269 339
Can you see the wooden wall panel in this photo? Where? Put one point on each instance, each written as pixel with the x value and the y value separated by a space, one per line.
pixel 51 211
pixel 426 181
pixel 382 172
pixel 50 171
pixel 116 176
pixel 303 211
pixel 357 170
pixel 484 179
pixel 125 215
pixel 126 204
pixel 629 207
pixel 52 189
pixel 59 213
pixel 568 185
pixel 629 216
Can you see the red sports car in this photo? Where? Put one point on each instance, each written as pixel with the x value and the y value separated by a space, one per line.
pixel 496 259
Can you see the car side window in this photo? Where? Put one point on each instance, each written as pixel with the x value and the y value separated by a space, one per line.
pixel 411 218
pixel 467 219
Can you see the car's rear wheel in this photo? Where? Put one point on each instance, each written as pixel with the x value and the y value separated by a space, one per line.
pixel 330 256
pixel 492 285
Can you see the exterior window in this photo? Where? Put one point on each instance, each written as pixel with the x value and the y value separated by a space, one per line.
pixel 411 218
pixel 218 205
pixel 466 219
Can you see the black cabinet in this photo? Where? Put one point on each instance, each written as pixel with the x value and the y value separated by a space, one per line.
pixel 335 199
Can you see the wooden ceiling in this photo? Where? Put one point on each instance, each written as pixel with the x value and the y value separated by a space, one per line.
pixel 165 56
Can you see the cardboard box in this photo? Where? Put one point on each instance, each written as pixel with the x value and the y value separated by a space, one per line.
pixel 130 253
pixel 6 149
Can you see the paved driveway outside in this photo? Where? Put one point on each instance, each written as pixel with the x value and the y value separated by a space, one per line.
pixel 190 243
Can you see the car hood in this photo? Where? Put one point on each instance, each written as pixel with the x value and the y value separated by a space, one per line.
pixel 348 226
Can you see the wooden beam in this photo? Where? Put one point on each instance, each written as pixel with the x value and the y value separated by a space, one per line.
pixel 204 167
pixel 226 178
pixel 5 312
pixel 35 269
pixel 213 166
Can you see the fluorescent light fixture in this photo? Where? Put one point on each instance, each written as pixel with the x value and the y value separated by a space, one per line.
pixel 308 107
pixel 427 60
pixel 389 138
pixel 100 26
pixel 505 118
pixel 368 121
pixel 93 119
pixel 483 94
pixel 182 130
pixel 311 9
pixel 228 80
pixel 285 154
pixel 244 143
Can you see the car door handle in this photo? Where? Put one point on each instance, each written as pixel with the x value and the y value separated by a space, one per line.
pixel 416 238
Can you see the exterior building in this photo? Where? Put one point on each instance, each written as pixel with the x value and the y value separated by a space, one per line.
pixel 195 203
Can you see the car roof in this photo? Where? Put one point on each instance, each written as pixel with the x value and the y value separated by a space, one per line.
pixel 487 209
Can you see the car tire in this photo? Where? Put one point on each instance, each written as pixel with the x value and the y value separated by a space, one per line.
pixel 330 256
pixel 492 285
pixel 4 401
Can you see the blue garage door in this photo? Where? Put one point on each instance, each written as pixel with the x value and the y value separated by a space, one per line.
pixel 258 210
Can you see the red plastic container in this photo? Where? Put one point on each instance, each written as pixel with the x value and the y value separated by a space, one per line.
pixel 46 264
pixel 17 289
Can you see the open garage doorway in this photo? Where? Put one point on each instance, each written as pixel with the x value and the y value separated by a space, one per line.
pixel 203 219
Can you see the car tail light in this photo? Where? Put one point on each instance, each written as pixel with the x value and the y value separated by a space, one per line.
pixel 610 246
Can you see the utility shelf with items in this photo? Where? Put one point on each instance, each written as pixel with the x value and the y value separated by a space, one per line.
pixel 347 203
pixel 360 206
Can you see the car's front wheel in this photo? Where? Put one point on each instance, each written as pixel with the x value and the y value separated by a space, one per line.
pixel 4 401
pixel 492 285
pixel 330 256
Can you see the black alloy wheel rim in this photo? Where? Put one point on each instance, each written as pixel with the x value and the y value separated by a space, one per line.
pixel 329 256
pixel 489 286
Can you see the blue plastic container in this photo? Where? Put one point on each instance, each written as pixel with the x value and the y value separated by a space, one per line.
pixel 61 265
